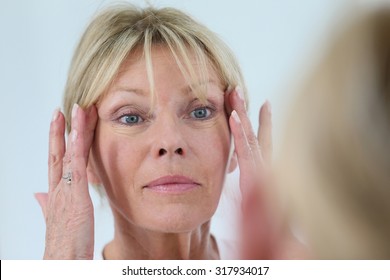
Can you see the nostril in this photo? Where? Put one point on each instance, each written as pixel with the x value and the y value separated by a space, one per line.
pixel 179 151
pixel 162 152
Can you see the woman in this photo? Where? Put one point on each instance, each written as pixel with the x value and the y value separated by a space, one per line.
pixel 150 103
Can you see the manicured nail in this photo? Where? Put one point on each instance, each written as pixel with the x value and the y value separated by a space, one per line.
pixel 55 115
pixel 268 104
pixel 240 93
pixel 229 90
pixel 74 110
pixel 74 135
pixel 235 116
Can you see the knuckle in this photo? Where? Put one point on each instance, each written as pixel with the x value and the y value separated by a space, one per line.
pixel 54 159
pixel 76 176
pixel 79 158
pixel 252 141
pixel 67 159
pixel 54 130
pixel 244 153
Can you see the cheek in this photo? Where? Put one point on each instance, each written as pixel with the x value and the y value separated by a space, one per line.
pixel 116 156
pixel 214 141
pixel 211 146
pixel 124 159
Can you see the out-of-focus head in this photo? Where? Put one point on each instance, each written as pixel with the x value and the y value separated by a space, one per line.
pixel 335 167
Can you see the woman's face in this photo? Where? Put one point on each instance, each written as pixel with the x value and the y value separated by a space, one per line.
pixel 163 166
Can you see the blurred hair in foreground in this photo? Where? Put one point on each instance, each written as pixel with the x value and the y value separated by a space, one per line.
pixel 334 172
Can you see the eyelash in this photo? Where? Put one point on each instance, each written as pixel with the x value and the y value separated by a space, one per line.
pixel 141 119
pixel 208 108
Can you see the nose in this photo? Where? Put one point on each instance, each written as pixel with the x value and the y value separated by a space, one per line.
pixel 163 151
pixel 168 139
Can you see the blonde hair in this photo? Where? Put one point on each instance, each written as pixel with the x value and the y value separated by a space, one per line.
pixel 119 31
pixel 335 167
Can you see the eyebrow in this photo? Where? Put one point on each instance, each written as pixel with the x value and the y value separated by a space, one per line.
pixel 186 89
pixel 137 91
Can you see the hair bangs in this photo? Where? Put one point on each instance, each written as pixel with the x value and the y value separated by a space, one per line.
pixel 122 31
pixel 192 62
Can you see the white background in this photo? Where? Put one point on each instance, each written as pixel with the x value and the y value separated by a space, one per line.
pixel 273 40
pixel 277 270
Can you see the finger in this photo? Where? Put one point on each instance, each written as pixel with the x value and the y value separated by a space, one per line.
pixel 89 132
pixel 76 143
pixel 264 133
pixel 238 104
pixel 56 148
pixel 245 158
pixel 42 199
pixel 228 106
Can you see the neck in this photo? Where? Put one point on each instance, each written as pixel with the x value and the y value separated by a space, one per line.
pixel 132 242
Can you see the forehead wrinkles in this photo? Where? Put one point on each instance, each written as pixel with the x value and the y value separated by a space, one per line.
pixel 184 91
pixel 196 86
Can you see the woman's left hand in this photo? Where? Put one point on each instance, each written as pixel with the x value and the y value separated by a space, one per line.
pixel 260 218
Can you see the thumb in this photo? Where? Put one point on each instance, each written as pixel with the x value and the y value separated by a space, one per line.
pixel 42 200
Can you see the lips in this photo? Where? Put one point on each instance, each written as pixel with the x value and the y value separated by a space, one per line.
pixel 172 184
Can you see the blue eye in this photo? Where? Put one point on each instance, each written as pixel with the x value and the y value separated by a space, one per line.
pixel 201 113
pixel 130 119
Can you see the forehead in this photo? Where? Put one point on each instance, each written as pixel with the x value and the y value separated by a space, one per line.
pixel 163 68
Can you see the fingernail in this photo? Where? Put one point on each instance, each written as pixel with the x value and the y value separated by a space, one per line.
pixel 74 135
pixel 240 93
pixel 74 110
pixel 229 90
pixel 235 116
pixel 55 115
pixel 268 104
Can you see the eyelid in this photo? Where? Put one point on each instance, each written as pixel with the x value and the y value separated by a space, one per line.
pixel 196 103
pixel 140 120
pixel 130 111
pixel 211 108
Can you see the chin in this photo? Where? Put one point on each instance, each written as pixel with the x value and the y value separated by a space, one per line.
pixel 178 220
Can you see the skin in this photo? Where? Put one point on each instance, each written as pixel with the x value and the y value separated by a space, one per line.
pixel 126 157
pixel 68 209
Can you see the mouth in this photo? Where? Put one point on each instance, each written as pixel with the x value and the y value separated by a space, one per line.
pixel 172 184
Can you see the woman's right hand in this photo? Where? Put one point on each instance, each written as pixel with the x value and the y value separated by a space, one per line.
pixel 67 207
